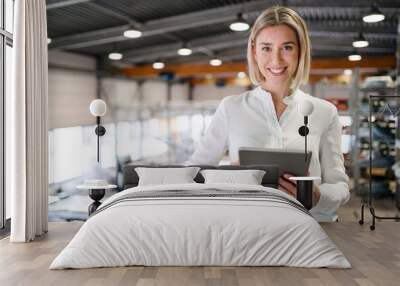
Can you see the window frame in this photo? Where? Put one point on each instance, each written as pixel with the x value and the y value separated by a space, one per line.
pixel 6 39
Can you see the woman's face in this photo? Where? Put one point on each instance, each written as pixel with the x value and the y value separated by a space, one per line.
pixel 277 55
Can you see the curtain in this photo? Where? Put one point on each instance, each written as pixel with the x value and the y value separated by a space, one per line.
pixel 26 123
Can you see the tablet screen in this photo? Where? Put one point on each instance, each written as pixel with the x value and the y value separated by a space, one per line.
pixel 289 161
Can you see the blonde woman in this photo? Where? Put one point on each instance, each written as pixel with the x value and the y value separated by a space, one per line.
pixel 278 55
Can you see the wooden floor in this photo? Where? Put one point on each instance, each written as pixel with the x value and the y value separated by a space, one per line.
pixel 375 257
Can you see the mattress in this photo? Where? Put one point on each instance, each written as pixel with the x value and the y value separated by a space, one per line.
pixel 201 225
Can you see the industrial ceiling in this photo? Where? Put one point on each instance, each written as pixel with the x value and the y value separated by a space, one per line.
pixel 95 27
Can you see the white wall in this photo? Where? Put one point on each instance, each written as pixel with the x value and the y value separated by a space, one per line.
pixel 179 92
pixel 120 95
pixel 65 147
pixel 70 94
pixel 330 91
pixel 72 86
pixel 123 95
pixel 211 92
pixel 154 92
pixel 321 90
pixel 72 61
pixel 120 92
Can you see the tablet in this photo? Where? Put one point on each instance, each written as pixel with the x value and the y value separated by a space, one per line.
pixel 289 161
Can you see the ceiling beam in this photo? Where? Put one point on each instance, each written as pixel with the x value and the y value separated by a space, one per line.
pixel 63 3
pixel 349 48
pixel 101 36
pixel 186 70
pixel 329 32
pixel 232 40
pixel 204 18
pixel 229 40
pixel 115 34
pixel 240 54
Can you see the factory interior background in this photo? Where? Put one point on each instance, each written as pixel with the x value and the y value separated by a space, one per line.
pixel 161 98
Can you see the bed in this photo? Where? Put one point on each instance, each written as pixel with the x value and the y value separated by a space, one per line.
pixel 201 224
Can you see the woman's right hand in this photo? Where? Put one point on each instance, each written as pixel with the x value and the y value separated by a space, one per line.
pixel 288 186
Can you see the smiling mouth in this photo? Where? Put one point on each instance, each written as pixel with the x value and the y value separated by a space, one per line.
pixel 277 71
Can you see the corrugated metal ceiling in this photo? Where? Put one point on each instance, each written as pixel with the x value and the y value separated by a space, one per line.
pixel 95 27
pixel 146 10
pixel 76 19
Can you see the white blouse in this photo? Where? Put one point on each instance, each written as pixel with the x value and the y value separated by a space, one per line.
pixel 250 120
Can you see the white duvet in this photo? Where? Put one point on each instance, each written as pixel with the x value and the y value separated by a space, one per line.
pixel 200 231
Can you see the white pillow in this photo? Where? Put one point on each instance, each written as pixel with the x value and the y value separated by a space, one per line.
pixel 248 177
pixel 163 176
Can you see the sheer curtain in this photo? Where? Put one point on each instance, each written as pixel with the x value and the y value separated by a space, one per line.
pixel 26 123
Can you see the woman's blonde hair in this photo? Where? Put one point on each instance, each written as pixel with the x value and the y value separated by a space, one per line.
pixel 281 16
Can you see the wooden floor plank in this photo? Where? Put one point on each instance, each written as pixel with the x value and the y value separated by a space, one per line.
pixel 375 257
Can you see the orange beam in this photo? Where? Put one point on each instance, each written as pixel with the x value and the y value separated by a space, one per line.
pixel 343 63
pixel 185 69
pixel 201 69
pixel 338 78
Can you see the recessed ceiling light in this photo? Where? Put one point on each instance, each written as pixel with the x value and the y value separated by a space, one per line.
pixel 132 33
pixel 115 56
pixel 158 65
pixel 215 62
pixel 184 51
pixel 374 15
pixel 354 57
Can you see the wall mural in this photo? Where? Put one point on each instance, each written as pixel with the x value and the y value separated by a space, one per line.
pixel 159 136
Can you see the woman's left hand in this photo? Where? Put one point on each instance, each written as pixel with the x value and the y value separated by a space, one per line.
pixel 290 187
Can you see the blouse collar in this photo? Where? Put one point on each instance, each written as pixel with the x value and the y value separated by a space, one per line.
pixel 260 92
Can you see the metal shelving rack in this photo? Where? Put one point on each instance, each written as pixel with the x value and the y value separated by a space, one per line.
pixel 369 204
pixel 397 148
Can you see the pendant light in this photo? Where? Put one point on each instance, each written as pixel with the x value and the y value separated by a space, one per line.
pixel 360 41
pixel 240 24
pixel 374 15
